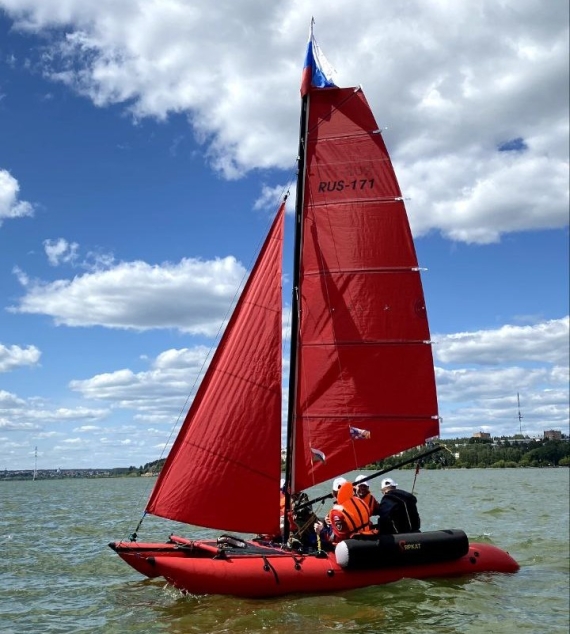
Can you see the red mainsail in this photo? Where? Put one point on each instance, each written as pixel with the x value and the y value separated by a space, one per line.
pixel 365 384
pixel 223 470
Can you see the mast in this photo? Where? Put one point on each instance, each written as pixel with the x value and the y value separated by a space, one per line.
pixel 35 463
pixel 520 415
pixel 295 310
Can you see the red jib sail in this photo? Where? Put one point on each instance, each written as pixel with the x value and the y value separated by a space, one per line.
pixel 365 377
pixel 226 456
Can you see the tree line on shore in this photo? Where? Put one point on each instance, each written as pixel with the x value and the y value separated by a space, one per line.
pixel 462 453
pixel 493 453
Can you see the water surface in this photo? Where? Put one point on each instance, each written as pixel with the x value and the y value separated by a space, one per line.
pixel 59 576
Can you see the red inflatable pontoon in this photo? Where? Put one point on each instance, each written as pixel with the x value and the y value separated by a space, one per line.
pixel 252 569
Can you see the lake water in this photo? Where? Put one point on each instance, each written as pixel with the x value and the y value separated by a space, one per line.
pixel 59 576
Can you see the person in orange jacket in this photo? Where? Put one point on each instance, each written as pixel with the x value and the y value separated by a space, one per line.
pixel 348 517
pixel 362 490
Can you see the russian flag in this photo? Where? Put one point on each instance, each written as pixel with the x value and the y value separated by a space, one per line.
pixel 317 72
pixel 318 455
pixel 359 434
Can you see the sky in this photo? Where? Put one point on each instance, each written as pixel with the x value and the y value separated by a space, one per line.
pixel 145 145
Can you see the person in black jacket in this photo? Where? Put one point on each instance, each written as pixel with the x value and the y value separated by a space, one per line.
pixel 398 512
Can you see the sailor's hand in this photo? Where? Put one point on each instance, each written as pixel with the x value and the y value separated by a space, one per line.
pixel 318 526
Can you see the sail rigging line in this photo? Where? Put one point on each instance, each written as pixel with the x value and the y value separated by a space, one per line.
pixel 378 269
pixel 377 474
pixel 405 417
pixel 415 477
pixel 378 342
pixel 133 536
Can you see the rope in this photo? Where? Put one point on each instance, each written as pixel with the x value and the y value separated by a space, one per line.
pixel 415 476
pixel 134 535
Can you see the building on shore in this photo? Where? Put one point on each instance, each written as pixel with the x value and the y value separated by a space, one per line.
pixel 482 434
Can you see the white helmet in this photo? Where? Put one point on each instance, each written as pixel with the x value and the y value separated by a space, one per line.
pixel 338 482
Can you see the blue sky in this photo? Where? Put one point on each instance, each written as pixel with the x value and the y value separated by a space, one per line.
pixel 144 147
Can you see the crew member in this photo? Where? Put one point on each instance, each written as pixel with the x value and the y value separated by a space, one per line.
pixel 398 510
pixel 348 517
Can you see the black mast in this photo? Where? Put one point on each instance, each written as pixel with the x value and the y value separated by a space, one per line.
pixel 295 310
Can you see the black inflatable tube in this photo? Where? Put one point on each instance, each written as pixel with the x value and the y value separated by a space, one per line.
pixel 402 549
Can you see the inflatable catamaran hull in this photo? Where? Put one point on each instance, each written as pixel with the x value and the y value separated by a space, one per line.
pixel 232 566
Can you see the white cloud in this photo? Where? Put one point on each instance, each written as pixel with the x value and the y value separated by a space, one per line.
pixel 487 194
pixel 10 206
pixel 60 251
pixel 447 87
pixel 9 401
pixel 155 395
pixel 545 342
pixel 33 414
pixel 496 411
pixel 489 368
pixel 48 434
pixel 12 357
pixel 9 425
pixel 192 296
pixel 87 429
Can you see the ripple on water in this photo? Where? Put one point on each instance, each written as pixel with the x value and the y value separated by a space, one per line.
pixel 60 577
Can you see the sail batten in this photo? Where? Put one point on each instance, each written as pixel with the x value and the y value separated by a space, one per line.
pixel 368 342
pixel 383 269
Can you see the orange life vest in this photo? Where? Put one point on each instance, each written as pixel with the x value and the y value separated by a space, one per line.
pixel 371 502
pixel 352 517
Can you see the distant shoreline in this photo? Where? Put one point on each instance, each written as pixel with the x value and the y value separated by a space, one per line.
pixel 67 474
pixel 459 453
pixel 47 474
